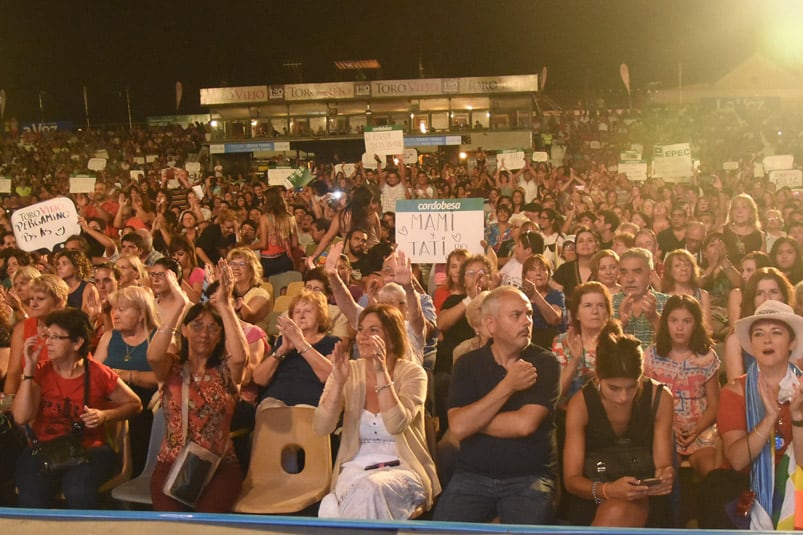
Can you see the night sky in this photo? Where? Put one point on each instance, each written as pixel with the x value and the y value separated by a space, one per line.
pixel 56 46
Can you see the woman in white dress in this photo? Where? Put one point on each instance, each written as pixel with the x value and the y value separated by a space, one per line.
pixel 383 468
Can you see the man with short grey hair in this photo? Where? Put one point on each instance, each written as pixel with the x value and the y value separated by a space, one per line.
pixel 637 305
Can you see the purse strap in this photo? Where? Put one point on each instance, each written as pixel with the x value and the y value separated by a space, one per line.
pixel 657 400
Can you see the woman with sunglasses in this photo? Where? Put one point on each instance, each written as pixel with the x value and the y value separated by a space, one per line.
pixel 211 360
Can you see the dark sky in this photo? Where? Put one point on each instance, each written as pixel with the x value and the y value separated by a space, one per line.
pixel 56 46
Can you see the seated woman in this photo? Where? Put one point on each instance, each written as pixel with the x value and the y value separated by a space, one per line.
pixel 750 263
pixel 760 414
pixel 74 268
pixel 253 302
pixel 683 360
pixel 296 370
pixel 124 349
pixel 212 357
pixel 621 408
pixel 132 271
pixel 384 470
pixel 605 269
pixel 682 277
pixel 68 393
pixel 549 305
pixel 192 282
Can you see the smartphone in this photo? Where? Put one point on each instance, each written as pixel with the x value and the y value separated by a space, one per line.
pixel 650 482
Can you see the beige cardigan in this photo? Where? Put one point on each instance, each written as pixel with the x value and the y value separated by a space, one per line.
pixel 405 421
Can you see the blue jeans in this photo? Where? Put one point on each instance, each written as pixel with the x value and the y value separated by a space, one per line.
pixel 515 500
pixel 79 485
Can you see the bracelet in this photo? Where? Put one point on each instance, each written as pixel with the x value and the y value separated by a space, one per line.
pixel 167 330
pixel 278 356
pixel 797 423
pixel 305 349
pixel 594 485
pixel 760 434
pixel 26 377
pixel 380 388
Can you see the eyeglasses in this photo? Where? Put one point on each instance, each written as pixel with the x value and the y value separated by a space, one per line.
pixel 211 328
pixel 157 274
pixel 238 263
pixel 49 336
pixel 477 272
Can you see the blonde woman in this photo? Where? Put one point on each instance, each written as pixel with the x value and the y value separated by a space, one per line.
pixel 742 231
pixel 125 350
pixel 252 301
pixel 132 271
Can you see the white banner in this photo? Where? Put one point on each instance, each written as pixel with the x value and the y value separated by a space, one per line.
pixel 46 224
pixel 635 171
pixel 96 164
pixel 512 160
pixel 779 162
pixel 672 161
pixel 384 140
pixel 82 184
pixel 790 178
pixel 730 166
pixel 427 230
pixel 540 156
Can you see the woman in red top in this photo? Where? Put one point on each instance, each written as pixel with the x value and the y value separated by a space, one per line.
pixel 47 293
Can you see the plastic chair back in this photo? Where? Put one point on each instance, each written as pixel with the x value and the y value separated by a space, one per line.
pixel 121 444
pixel 269 488
pixel 280 281
pixel 138 490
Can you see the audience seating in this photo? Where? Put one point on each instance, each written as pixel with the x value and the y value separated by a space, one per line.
pixel 138 490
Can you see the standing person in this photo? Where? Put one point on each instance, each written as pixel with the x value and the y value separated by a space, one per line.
pixel 621 408
pixel 742 231
pixel 683 360
pixel 527 244
pixel 551 223
pixel 501 409
pixel 124 349
pixel 760 415
pixel 638 306
pixel 277 236
pixel 56 397
pixel 216 240
pixel 212 358
pixel 383 468
pixel 577 271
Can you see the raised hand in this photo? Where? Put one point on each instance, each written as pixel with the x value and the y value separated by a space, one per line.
pixel 330 267
pixel 340 364
pixel 402 268
pixel 226 289
pixel 31 351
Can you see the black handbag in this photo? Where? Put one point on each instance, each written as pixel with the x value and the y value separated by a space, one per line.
pixel 64 452
pixel 622 459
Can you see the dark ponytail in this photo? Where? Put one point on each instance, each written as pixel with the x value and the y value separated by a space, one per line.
pixel 618 355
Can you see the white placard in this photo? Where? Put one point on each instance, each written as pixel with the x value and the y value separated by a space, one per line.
pixel 199 191
pixel 82 184
pixel 512 160
pixel 134 174
pixel 790 178
pixel 595 145
pixel 410 156
pixel 368 161
pixel 5 185
pixel 635 171
pixel 96 164
pixel 427 230
pixel 46 224
pixel 384 140
pixel 102 153
pixel 540 156
pixel 730 166
pixel 193 167
pixel 779 162
pixel 139 160
pixel 278 176
pixel 672 161
pixel 758 169
pixel 150 158
pixel 345 168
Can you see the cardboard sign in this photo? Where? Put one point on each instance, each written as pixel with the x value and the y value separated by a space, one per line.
pixel 511 159
pixel 672 161
pixel 135 174
pixel 46 224
pixel 150 158
pixel 730 166
pixel 368 161
pixel 96 164
pixel 540 156
pixel 427 230
pixel 410 156
pixel 5 185
pixel 384 140
pixel 345 168
pixel 277 176
pixel 779 162
pixel 82 184
pixel 139 160
pixel 199 192
pixel 635 171
pixel 193 167
pixel 791 178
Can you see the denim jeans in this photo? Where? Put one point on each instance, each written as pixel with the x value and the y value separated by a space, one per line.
pixel 515 500
pixel 79 485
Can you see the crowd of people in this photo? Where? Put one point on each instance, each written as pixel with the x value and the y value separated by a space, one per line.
pixel 603 316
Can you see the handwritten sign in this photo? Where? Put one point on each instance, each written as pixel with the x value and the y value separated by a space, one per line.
pixel 540 156
pixel 82 184
pixel 635 171
pixel 5 185
pixel 134 174
pixel 369 162
pixel 96 164
pixel 279 175
pixel 790 178
pixel 384 140
pixel 150 158
pixel 46 224
pixel 345 168
pixel 511 159
pixel 193 167
pixel 427 230
pixel 139 160
pixel 778 162
pixel 410 156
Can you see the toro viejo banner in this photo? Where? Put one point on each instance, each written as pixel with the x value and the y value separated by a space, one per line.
pixel 427 230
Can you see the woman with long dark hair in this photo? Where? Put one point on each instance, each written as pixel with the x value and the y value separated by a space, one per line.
pixel 278 235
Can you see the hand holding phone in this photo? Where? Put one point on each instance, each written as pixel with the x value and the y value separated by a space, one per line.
pixel 650 482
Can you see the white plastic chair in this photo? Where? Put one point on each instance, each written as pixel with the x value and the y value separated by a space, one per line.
pixel 138 490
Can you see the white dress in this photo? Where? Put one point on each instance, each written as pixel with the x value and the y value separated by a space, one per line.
pixel 389 493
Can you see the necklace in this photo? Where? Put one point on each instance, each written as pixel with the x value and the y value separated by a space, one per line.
pixel 128 350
